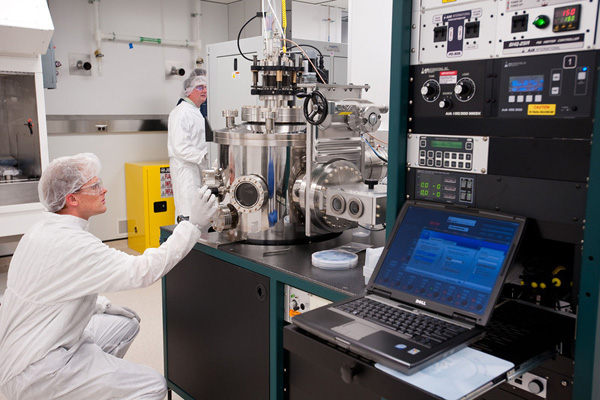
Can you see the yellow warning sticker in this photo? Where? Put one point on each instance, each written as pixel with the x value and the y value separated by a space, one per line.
pixel 448 1
pixel 345 113
pixel 541 109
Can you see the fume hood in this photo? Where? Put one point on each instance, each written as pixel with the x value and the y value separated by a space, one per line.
pixel 25 32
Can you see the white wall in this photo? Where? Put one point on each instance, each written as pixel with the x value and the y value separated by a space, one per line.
pixel 310 22
pixel 239 13
pixel 369 49
pixel 307 22
pixel 130 80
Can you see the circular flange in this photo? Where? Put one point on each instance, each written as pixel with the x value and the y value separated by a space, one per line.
pixel 225 218
pixel 248 193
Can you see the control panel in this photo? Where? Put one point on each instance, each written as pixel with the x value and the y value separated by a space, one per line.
pixel 456 31
pixel 552 95
pixel 527 27
pixel 501 116
pixel 446 187
pixel 549 86
pixel 297 301
pixel 477 30
pixel 448 153
pixel 452 89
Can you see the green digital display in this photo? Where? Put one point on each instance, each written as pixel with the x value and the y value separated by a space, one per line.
pixel 430 190
pixel 446 144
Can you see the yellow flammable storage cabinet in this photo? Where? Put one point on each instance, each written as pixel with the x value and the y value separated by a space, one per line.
pixel 150 203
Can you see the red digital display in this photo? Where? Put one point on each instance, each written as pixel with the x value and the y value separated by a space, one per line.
pixel 566 18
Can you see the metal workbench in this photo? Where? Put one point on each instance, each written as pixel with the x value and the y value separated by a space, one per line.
pixel 237 287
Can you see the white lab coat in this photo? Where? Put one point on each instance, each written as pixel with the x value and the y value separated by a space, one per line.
pixel 187 154
pixel 53 282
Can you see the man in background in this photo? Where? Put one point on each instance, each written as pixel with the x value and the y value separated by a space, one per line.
pixel 187 147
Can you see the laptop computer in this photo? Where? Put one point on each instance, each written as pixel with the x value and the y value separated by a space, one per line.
pixel 432 292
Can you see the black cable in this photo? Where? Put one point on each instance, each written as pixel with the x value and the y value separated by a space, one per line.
pixel 258 14
pixel 321 68
pixel 374 151
pixel 373 230
pixel 312 47
pixel 307 45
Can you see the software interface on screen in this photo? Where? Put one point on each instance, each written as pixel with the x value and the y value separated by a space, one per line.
pixel 447 257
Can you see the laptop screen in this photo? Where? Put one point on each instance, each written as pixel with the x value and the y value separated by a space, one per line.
pixel 447 256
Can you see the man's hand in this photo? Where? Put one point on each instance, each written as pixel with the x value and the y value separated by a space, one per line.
pixel 204 206
pixel 124 311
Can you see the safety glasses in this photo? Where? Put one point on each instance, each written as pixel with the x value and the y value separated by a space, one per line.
pixel 201 88
pixel 93 189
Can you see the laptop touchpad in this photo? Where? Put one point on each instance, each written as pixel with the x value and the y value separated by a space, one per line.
pixel 354 330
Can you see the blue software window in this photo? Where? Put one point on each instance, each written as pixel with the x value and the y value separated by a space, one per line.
pixel 450 258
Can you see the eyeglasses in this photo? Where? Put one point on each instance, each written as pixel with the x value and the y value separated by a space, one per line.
pixel 94 189
pixel 201 87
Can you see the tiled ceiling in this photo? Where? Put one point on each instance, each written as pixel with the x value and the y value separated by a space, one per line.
pixel 334 3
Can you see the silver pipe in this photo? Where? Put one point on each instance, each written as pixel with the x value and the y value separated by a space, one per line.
pixel 311 134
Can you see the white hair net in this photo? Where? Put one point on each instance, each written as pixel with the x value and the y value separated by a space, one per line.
pixel 197 72
pixel 66 175
pixel 192 82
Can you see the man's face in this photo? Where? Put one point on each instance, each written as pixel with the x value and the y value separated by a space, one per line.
pixel 91 198
pixel 202 93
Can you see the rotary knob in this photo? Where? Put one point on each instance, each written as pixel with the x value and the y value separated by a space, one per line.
pixel 430 90
pixel 464 89
pixel 445 104
pixel 535 386
pixel 294 305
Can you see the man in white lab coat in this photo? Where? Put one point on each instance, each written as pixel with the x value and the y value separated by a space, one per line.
pixel 57 341
pixel 187 146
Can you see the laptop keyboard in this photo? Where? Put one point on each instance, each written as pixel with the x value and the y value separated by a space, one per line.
pixel 423 329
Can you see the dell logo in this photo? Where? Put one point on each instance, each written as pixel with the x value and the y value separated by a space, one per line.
pixel 421 302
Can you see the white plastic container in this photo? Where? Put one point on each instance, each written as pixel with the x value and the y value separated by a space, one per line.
pixel 371 258
pixel 334 259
